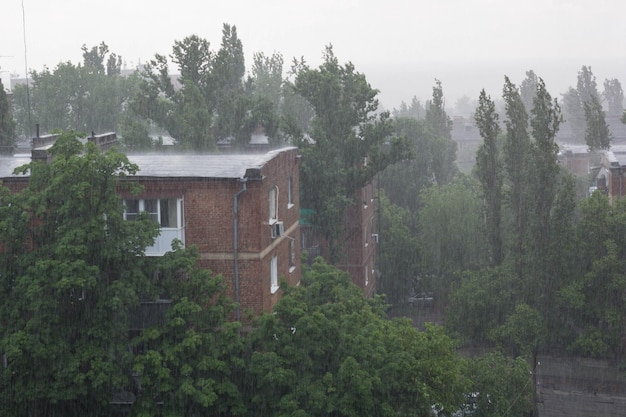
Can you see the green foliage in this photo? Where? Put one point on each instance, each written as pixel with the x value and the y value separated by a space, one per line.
pixel 528 89
pixel 158 101
pixel 451 230
pixel 490 173
pixel 586 84
pixel 432 156
pixel 480 302
pixel 73 97
pixel 404 180
pixel 76 284
pixel 516 155
pixel 596 303
pixel 440 126
pixel 501 386
pixel 415 110
pixel 597 135
pixel 7 124
pixel 576 99
pixel 348 141
pixel 267 78
pixel 614 96
pixel 135 133
pixel 521 333
pixel 574 115
pixel 212 102
pixel 94 60
pixel 326 350
pixel 399 253
pixel 70 273
pixel 432 152
pixel 186 360
pixel 542 184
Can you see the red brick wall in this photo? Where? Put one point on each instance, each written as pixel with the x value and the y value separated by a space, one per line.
pixel 616 184
pixel 359 245
pixel 208 214
pixel 209 224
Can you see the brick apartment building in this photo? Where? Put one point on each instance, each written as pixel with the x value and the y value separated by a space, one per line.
pixel 610 177
pixel 360 239
pixel 241 211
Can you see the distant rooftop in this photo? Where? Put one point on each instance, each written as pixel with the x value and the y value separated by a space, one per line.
pixel 201 166
pixel 226 166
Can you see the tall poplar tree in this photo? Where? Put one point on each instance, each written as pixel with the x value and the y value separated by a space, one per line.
pixel 543 186
pixel 516 155
pixel 489 171
pixel 545 121
pixel 207 102
pixel 440 126
pixel 614 96
pixel 349 142
pixel 528 89
pixel 7 124
pixel 597 135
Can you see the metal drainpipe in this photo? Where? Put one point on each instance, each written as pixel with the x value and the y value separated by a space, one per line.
pixel 236 244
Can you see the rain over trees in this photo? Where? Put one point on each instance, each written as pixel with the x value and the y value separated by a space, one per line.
pixel 509 257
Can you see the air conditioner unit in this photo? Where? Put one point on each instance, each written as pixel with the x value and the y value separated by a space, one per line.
pixel 278 229
pixel 375 237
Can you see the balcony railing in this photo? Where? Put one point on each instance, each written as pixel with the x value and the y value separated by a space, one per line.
pixel 163 243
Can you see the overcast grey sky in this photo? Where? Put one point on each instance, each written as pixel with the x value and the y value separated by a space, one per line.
pixel 400 45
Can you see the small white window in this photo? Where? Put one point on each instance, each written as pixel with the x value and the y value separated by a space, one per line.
pixel 274 274
pixel 167 212
pixel 292 255
pixel 290 192
pixel 164 211
pixel 273 205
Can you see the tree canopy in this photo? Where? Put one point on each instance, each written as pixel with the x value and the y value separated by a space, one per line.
pixel 76 286
pixel 7 124
pixel 85 97
pixel 327 350
pixel 70 272
pixel 347 144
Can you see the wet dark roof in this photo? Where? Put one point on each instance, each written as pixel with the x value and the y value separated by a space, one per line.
pixel 179 166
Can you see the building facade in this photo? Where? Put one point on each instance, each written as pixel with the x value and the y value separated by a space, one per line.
pixel 610 177
pixel 358 241
pixel 241 211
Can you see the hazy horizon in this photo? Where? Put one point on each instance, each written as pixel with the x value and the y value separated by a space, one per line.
pixel 401 46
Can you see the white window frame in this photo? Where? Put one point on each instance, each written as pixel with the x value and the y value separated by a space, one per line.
pixel 273 204
pixel 292 255
pixel 274 274
pixel 290 203
pixel 163 242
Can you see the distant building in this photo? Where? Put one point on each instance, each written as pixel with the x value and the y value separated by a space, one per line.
pixel 359 240
pixel 467 137
pixel 610 177
pixel 576 159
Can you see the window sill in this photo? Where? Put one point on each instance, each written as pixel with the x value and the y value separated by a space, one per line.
pixel 291 269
